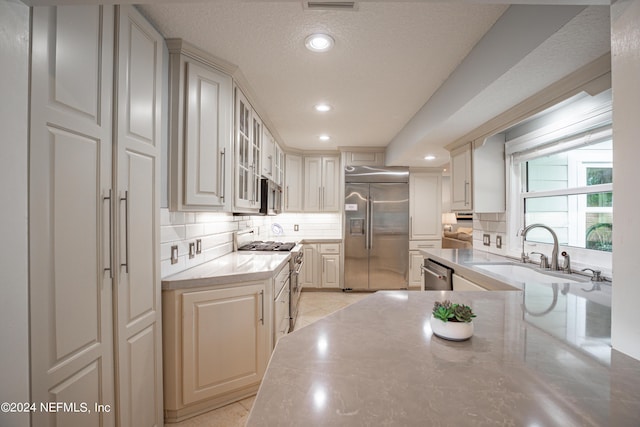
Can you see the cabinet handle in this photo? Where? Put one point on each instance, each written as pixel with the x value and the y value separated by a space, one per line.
pixel 223 156
pixel 110 268
pixel 126 231
pixel 262 307
pixel 411 226
pixel 286 198
pixel 466 190
pixel 322 198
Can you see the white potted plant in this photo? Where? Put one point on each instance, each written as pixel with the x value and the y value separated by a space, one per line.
pixel 452 321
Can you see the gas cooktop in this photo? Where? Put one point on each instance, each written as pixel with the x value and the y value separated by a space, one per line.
pixel 267 246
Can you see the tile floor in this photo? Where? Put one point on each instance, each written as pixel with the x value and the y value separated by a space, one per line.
pixel 313 306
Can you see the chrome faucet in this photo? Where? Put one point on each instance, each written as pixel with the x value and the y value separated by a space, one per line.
pixel 554 254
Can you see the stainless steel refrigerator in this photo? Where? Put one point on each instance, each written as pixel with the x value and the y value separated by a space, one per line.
pixel 376 228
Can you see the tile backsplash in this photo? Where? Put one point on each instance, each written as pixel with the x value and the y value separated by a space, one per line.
pixel 493 224
pixel 216 233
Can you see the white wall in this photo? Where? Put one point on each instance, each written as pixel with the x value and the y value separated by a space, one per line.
pixel 625 53
pixel 14 332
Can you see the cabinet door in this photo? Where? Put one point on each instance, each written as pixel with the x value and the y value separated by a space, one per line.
pixel 462 284
pixel 461 197
pixel 308 274
pixel 244 166
pixel 312 184
pixel 416 260
pixel 330 184
pixel 139 330
pixel 225 336
pixel 207 134
pixel 425 205
pixel 256 158
pixel 70 173
pixel 293 183
pixel 268 155
pixel 330 271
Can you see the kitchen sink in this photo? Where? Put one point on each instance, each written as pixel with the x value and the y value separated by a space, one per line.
pixel 525 273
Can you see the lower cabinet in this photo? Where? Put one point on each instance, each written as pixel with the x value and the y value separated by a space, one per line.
pixel 322 263
pixel 281 292
pixel 462 284
pixel 217 343
pixel 416 259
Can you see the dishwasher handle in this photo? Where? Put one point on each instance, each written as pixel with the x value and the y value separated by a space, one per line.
pixel 433 273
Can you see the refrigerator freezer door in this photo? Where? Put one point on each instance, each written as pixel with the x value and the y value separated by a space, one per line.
pixel 356 254
pixel 389 239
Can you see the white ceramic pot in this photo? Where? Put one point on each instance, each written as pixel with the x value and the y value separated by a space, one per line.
pixel 453 331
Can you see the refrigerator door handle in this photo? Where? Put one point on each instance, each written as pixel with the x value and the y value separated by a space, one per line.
pixel 370 222
pixel 366 226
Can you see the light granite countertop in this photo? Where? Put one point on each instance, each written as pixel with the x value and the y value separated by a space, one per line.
pixel 376 362
pixel 232 268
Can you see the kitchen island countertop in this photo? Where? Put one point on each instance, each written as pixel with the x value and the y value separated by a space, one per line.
pixel 376 362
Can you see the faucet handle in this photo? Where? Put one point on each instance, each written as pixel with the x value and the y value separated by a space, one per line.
pixel 596 274
pixel 544 261
pixel 566 265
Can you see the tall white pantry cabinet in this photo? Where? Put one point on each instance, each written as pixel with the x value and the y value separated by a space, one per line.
pixel 95 307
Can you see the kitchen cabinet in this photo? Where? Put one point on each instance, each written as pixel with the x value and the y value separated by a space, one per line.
pixel 217 345
pixel 489 179
pixel 293 183
pixel 416 259
pixel 268 155
pixel 322 265
pixel 363 158
pixel 321 183
pixel 201 117
pixel 462 284
pixel 425 205
pixel 279 169
pixel 94 210
pixel 248 137
pixel 461 175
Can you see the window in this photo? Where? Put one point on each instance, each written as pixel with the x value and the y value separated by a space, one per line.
pixel 569 188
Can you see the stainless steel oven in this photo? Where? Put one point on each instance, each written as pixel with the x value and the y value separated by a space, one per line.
pixel 295 265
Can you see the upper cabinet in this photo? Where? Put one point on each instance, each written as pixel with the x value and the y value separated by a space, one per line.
pixel 321 184
pixel 293 183
pixel 268 155
pixel 248 129
pixel 461 174
pixel 478 176
pixel 425 205
pixel 363 158
pixel 489 179
pixel 201 114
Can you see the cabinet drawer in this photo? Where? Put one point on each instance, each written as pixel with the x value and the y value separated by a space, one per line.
pixel 415 245
pixel 330 248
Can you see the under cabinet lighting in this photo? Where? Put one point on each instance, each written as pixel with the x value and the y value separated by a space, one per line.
pixel 319 42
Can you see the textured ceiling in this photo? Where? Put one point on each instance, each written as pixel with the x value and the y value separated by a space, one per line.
pixel 389 59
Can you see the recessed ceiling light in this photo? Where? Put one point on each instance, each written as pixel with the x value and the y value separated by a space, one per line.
pixel 322 108
pixel 319 42
pixel 429 157
pixel 324 137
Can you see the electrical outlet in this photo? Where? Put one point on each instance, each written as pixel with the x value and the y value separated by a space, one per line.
pixel 296 227
pixel 174 254
pixel 192 250
pixel 498 242
pixel 486 239
pixel 198 246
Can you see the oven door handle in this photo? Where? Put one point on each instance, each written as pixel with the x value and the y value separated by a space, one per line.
pixel 297 270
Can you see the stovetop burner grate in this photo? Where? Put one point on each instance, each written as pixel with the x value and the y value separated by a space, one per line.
pixel 267 246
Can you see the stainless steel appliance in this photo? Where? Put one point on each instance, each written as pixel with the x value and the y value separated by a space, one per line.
pixel 376 228
pixel 437 277
pixel 295 264
pixel 271 197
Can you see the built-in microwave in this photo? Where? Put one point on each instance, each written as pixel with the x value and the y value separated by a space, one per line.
pixel 271 197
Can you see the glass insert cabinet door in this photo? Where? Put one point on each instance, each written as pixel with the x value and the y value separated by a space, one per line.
pixel 247 151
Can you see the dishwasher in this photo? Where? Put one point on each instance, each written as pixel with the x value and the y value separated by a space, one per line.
pixel 437 277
